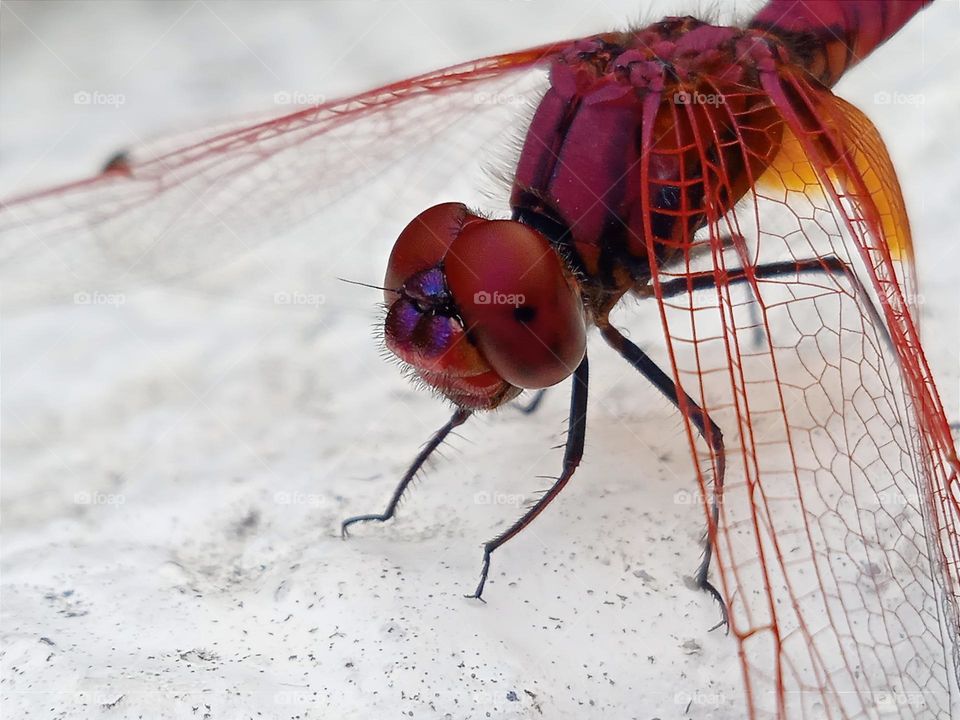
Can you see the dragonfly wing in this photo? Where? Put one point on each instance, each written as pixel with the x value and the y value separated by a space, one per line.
pixel 862 182
pixel 836 542
pixel 176 209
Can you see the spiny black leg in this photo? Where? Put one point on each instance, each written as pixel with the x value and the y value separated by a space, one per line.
pixel 829 264
pixel 531 407
pixel 708 430
pixel 727 242
pixel 576 431
pixel 459 417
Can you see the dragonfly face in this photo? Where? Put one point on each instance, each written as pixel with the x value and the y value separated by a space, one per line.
pixel 481 309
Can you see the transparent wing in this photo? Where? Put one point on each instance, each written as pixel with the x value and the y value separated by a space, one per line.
pixel 186 204
pixel 836 539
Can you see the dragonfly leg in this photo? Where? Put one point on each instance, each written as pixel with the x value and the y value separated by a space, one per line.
pixel 458 418
pixel 829 265
pixel 576 432
pixel 708 430
pixel 531 407
pixel 727 242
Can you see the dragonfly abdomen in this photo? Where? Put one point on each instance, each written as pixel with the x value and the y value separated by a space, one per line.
pixel 828 37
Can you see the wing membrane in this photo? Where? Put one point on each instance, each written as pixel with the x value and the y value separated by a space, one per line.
pixel 837 531
pixel 200 205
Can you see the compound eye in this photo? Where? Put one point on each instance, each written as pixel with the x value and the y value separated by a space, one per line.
pixel 518 303
pixel 423 243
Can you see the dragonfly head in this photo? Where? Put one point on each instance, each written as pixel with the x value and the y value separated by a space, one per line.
pixel 481 309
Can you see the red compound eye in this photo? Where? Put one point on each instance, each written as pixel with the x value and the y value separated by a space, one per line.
pixel 517 302
pixel 424 242
pixel 480 308
pixel 422 327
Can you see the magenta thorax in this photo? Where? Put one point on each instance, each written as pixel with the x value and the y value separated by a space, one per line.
pixel 579 174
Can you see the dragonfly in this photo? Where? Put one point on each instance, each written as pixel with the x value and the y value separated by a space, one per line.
pixel 707 170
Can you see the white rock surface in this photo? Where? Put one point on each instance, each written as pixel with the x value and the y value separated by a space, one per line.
pixel 175 468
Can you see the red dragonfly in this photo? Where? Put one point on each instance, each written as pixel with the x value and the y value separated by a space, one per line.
pixel 712 171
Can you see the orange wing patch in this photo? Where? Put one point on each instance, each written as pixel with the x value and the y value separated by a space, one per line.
pixel 864 150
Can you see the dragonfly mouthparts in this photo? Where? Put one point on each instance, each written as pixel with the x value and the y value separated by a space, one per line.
pixel 428 291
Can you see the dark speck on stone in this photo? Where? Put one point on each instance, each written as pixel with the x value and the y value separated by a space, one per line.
pixel 512 696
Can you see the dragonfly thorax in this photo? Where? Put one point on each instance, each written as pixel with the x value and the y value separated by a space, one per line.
pixel 639 142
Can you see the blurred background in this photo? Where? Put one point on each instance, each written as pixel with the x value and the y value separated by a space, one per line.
pixel 176 462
